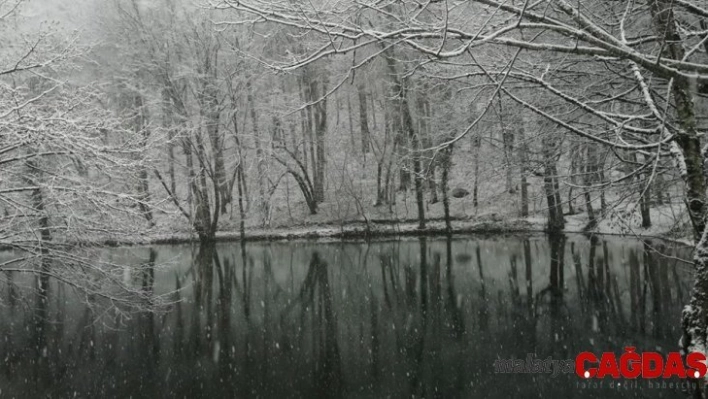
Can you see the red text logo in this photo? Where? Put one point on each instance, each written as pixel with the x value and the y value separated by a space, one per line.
pixel 633 365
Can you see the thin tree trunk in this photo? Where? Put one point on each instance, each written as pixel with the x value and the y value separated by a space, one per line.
pixel 407 126
pixel 210 115
pixel 644 196
pixel 447 163
pixel 191 176
pixel 508 143
pixel 379 188
pixel 143 186
pixel 658 188
pixel 477 144
pixel 432 184
pixel 557 192
pixel 260 165
pixel 315 88
pixel 38 202
pixel 320 110
pixel 645 210
pixel 573 178
pixel 556 222
pixel 588 181
pixel 363 118
pixel 423 110
pixel 242 211
pixel 524 171
pixel 167 124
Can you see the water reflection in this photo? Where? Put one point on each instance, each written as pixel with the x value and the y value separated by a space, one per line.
pixel 424 318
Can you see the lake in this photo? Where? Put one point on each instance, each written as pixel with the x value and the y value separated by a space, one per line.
pixel 418 317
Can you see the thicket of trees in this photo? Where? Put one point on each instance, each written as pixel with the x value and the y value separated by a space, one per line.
pixel 245 114
pixel 622 78
pixel 71 171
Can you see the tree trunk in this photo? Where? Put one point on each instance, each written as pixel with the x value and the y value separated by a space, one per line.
pixel 187 150
pixel 557 192
pixel 446 164
pixel 38 203
pixel 524 148
pixel 690 165
pixel 694 317
pixel 420 200
pixel 379 189
pixel 644 207
pixel 242 211
pixel 320 134
pixel 406 121
pixel 508 143
pixel 477 144
pixel 143 187
pixel 432 185
pixel 202 221
pixel 644 196
pixel 423 111
pixel 658 189
pixel 589 177
pixel 556 222
pixel 363 118
pixel 314 94
pixel 573 178
pixel 260 165
pixel 210 114
pixel 686 137
pixel 167 124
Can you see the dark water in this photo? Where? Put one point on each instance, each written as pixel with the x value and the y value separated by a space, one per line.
pixel 412 318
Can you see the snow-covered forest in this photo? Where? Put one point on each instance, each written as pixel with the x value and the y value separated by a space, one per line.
pixel 138 121
pixel 199 118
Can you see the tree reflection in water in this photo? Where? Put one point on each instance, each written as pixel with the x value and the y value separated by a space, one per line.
pixel 425 317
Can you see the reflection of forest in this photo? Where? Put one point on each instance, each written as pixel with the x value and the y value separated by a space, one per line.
pixel 425 318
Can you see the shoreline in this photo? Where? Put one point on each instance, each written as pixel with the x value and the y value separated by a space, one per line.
pixel 361 230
